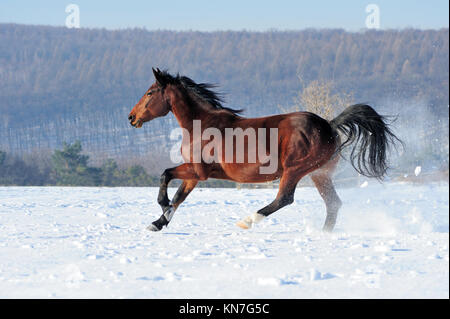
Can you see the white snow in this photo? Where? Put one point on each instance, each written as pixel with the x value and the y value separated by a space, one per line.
pixel 417 170
pixel 391 241
pixel 364 184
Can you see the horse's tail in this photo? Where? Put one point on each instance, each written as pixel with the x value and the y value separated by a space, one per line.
pixel 370 135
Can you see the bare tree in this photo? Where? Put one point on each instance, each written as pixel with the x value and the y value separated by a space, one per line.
pixel 318 97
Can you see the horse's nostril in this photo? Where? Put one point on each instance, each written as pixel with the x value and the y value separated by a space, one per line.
pixel 131 117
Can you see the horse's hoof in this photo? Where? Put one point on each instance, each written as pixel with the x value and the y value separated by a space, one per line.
pixel 248 221
pixel 243 224
pixel 153 227
pixel 157 225
pixel 327 229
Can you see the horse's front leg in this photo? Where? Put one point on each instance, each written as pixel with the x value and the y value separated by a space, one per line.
pixel 163 199
pixel 185 172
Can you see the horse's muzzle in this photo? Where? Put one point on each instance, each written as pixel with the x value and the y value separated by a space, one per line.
pixel 132 118
pixel 135 123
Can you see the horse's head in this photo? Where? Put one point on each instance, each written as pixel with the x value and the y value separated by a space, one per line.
pixel 152 105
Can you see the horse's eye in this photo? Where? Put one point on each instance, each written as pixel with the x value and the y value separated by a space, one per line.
pixel 149 93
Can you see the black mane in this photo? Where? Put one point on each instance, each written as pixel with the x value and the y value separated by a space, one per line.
pixel 202 90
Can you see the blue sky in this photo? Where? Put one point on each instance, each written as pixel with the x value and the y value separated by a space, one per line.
pixel 212 15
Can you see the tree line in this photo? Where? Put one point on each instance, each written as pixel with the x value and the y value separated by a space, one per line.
pixel 70 167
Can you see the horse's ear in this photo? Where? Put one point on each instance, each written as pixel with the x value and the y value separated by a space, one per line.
pixel 159 79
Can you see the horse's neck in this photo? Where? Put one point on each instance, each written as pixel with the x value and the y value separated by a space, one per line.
pixel 186 111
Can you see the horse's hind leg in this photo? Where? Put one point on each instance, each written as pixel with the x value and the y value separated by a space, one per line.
pixel 284 197
pixel 332 201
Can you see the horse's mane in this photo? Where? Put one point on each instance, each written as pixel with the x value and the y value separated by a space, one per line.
pixel 201 90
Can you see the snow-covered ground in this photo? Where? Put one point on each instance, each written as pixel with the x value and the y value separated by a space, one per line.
pixel 391 241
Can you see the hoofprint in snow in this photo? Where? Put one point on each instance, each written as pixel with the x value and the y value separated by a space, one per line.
pixel 391 241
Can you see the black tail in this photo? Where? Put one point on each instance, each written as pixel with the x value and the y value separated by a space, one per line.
pixel 361 124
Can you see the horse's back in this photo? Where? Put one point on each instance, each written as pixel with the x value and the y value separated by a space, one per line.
pixel 305 141
pixel 299 133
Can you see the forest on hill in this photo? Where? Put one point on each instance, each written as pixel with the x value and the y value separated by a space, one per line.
pixel 60 85
pixel 69 166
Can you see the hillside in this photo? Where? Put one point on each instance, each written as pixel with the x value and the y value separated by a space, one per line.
pixel 60 85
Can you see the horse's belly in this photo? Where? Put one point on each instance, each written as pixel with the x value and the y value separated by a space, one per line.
pixel 249 173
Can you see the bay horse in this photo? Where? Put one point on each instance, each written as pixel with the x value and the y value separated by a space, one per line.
pixel 305 144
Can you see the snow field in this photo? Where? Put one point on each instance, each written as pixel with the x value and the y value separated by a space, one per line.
pixel 391 241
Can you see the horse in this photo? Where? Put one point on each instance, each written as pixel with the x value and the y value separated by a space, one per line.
pixel 305 143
